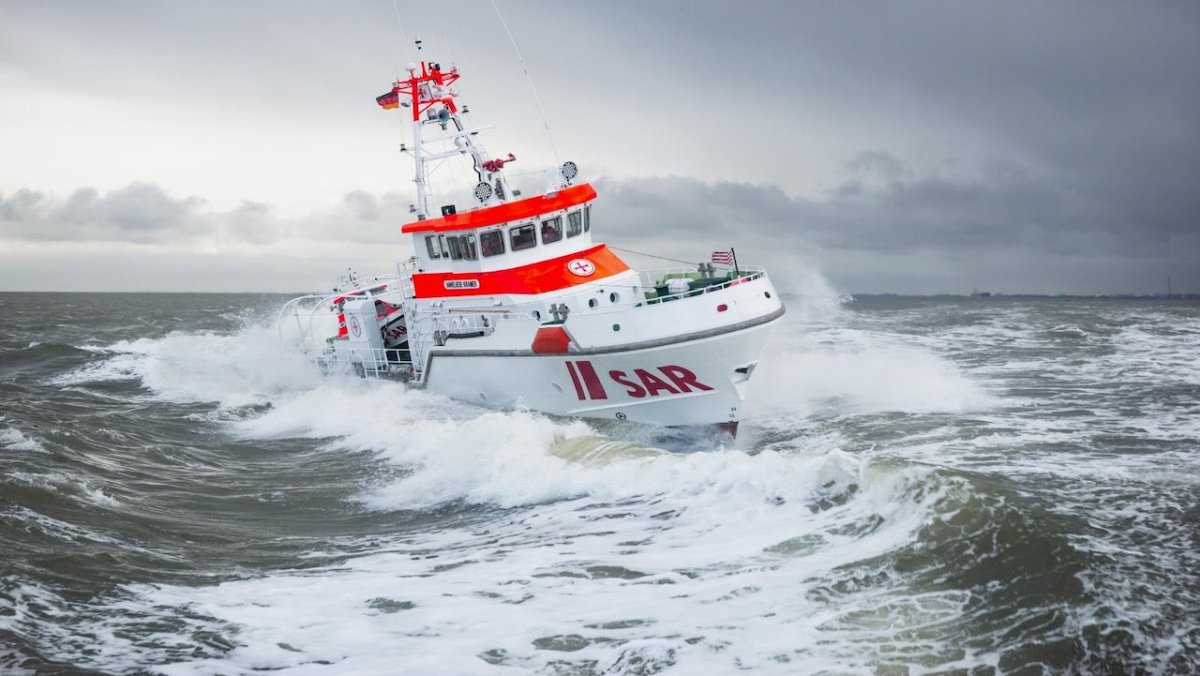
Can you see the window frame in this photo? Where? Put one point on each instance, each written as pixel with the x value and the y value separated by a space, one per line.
pixel 432 248
pixel 557 228
pixel 500 250
pixel 470 251
pixel 533 236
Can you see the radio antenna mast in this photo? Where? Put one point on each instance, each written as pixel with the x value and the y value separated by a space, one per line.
pixel 528 79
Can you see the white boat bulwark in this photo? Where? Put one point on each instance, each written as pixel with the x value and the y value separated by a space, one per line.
pixel 513 303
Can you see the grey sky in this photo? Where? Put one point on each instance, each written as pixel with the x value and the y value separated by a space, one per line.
pixel 903 147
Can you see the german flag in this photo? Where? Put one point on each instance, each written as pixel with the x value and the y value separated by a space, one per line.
pixel 389 100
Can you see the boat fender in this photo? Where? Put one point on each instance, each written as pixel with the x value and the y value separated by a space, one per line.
pixel 551 340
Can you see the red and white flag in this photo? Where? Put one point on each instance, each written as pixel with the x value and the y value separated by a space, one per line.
pixel 724 257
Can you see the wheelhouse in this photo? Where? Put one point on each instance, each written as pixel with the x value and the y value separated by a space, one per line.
pixel 506 236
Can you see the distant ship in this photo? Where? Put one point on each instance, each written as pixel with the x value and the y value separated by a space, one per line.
pixel 976 293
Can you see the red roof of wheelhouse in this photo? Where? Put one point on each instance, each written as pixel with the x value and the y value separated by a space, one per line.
pixel 503 213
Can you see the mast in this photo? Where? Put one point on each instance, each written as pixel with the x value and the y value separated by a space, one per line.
pixel 428 92
pixel 422 185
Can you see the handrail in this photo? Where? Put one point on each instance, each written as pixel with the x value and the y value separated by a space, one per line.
pixel 743 276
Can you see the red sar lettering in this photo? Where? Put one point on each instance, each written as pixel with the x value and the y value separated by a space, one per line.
pixel 682 379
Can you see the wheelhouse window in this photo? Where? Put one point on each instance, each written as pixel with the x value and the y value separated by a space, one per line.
pixel 469 250
pixel 523 237
pixel 462 247
pixel 491 243
pixel 551 230
pixel 587 218
pixel 433 246
pixel 574 223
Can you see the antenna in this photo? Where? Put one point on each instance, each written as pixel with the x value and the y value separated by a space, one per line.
pixel 529 79
pixel 403 40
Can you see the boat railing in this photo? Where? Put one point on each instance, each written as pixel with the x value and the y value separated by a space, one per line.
pixel 438 323
pixel 527 183
pixel 669 284
pixel 359 361
pixel 404 272
pixel 310 321
pixel 434 326
pixel 364 361
pixel 298 319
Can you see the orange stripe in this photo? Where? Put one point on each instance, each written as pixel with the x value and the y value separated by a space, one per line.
pixel 503 213
pixel 540 277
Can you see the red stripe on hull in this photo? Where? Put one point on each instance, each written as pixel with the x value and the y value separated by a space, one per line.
pixel 575 381
pixel 594 387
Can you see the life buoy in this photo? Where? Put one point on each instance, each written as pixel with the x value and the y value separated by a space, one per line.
pixel 343 330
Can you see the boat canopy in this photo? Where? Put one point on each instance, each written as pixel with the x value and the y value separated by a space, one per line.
pixel 509 211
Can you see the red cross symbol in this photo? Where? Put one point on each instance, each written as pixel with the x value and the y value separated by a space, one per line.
pixel 581 267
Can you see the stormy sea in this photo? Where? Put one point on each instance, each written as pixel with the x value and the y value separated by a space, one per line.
pixel 920 485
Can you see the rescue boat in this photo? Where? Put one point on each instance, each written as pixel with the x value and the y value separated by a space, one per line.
pixel 513 301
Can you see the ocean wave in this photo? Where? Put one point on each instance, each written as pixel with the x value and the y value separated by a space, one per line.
pixel 13 439
pixel 682 572
pixel 232 370
pixel 849 371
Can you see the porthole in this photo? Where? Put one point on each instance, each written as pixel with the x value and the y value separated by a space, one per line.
pixel 536 315
pixel 592 302
pixel 767 294
pixel 614 297
pixel 616 327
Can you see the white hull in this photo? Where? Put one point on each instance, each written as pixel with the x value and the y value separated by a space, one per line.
pixel 681 360
pixel 690 382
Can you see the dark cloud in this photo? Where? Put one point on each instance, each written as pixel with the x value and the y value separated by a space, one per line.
pixel 358 217
pixel 140 212
pixel 894 229
pixel 251 222
pixel 885 205
pixel 144 213
pixel 1098 99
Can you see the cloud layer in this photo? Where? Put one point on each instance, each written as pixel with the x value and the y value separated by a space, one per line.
pixel 905 147
pixel 887 228
pixel 145 213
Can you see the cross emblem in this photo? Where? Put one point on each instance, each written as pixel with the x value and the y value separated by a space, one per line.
pixel 581 267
